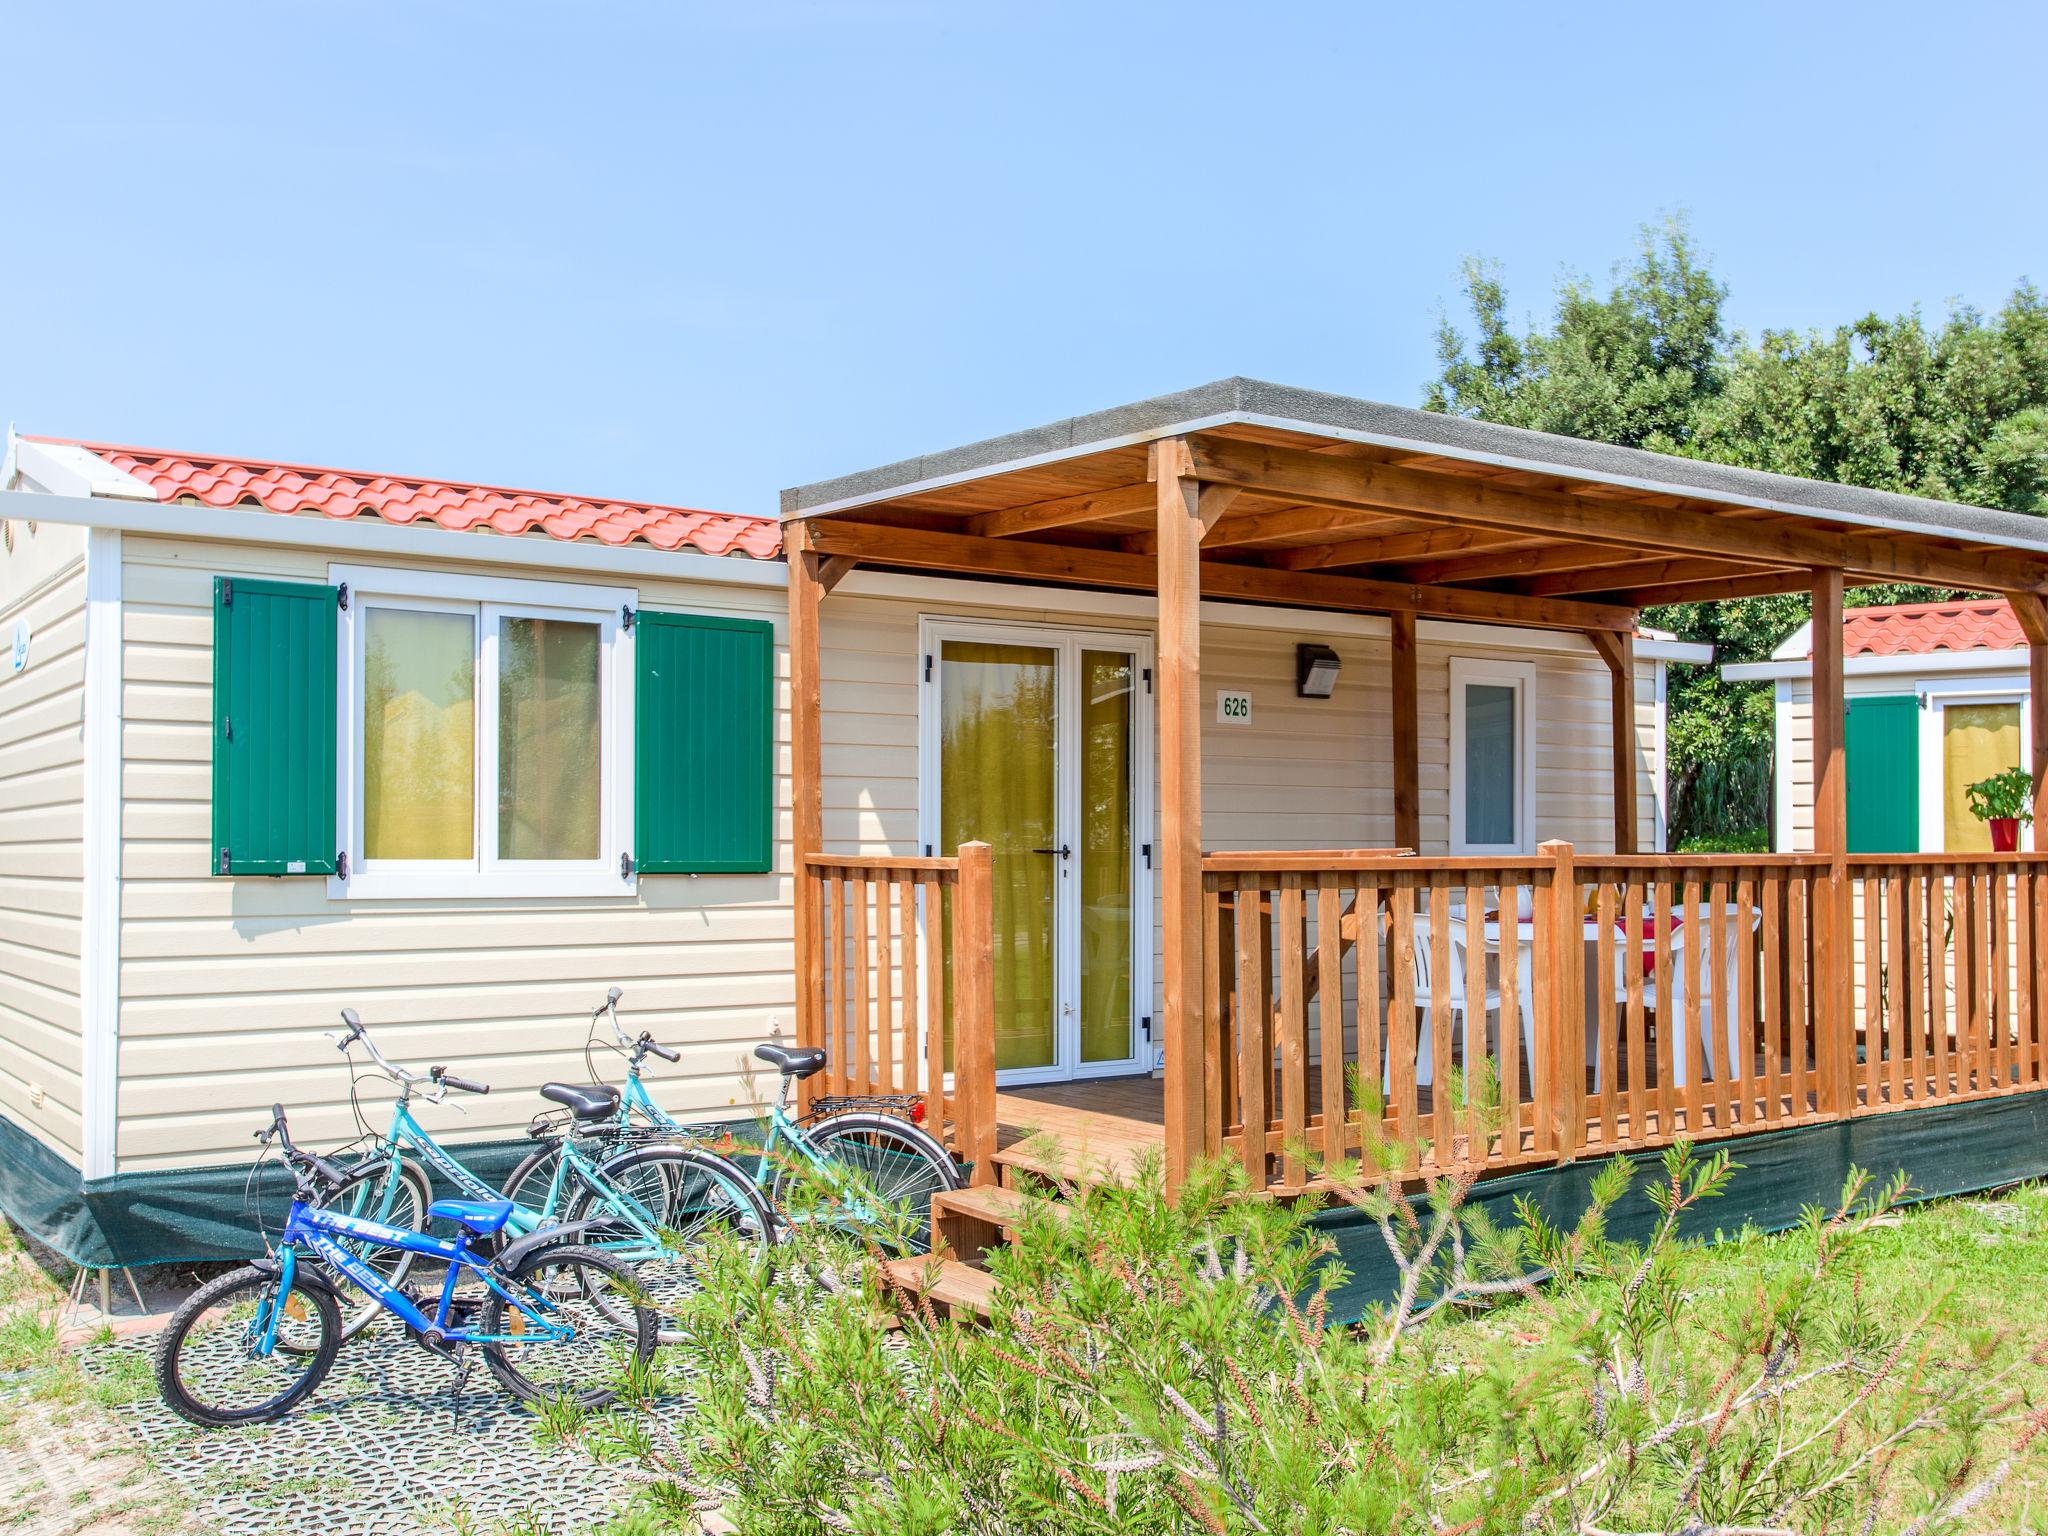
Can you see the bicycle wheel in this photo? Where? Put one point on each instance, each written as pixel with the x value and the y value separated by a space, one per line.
pixel 362 1194
pixel 684 1192
pixel 896 1166
pixel 211 1367
pixel 591 1293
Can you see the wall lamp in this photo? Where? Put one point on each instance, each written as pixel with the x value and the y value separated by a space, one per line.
pixel 1315 671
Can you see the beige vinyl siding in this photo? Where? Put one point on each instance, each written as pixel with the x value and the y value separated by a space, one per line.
pixel 42 780
pixel 228 985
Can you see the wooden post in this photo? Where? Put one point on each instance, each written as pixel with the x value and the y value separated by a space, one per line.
pixel 1407 734
pixel 1561 1019
pixel 806 789
pixel 1178 500
pixel 1619 652
pixel 1834 1045
pixel 974 1013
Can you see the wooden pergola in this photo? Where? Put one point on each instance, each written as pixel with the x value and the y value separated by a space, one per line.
pixel 1245 492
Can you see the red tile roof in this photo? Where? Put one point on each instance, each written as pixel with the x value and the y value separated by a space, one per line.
pixel 303 488
pixel 1921 629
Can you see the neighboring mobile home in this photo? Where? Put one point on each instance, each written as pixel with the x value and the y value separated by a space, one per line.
pixel 462 758
pixel 1937 697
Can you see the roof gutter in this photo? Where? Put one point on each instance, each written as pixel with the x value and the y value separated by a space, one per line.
pixel 1882 666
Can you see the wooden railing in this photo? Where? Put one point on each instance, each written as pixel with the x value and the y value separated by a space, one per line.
pixel 874 990
pixel 1617 1002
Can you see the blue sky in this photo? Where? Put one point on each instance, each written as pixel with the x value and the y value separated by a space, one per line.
pixel 695 254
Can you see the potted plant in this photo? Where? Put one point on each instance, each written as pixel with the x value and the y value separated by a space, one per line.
pixel 2004 800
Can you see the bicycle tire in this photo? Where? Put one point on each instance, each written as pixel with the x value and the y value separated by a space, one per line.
pixel 185 1350
pixel 687 1193
pixel 394 1264
pixel 904 1163
pixel 569 1279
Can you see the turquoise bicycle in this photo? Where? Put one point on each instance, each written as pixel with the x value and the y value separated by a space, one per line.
pixel 645 1205
pixel 897 1165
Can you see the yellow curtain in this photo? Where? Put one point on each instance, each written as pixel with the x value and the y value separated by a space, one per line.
pixel 1105 854
pixel 419 734
pixel 549 773
pixel 1977 740
pixel 998 721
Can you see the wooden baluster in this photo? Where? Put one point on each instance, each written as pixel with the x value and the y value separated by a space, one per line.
pixel 1549 1070
pixel 1910 1021
pixel 1444 1125
pixel 2023 974
pixel 1474 1043
pixel 1368 1033
pixel 812 1029
pixel 2001 981
pixel 1215 1002
pixel 1609 1043
pixel 1698 973
pixel 857 901
pixel 934 1003
pixel 1943 914
pixel 2037 907
pixel 1742 1077
pixel 1330 1005
pixel 1870 930
pixel 1401 1014
pixel 1664 1061
pixel 1980 960
pixel 1291 918
pixel 885 989
pixel 1802 1010
pixel 1632 980
pixel 1717 997
pixel 1968 1019
pixel 1511 1020
pixel 1254 1056
pixel 1775 973
pixel 974 1029
pixel 832 926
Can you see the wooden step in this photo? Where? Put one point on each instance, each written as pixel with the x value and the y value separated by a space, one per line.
pixel 952 1286
pixel 967 1223
pixel 1080 1172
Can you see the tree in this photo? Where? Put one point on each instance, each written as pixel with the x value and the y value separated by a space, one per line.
pixel 1957 413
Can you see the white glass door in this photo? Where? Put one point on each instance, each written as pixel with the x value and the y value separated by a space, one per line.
pixel 1037 741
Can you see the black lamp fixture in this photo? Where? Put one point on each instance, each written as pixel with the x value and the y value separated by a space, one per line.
pixel 1315 671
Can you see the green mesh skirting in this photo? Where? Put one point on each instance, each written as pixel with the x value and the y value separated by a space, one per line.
pixel 167 1216
pixel 1946 1149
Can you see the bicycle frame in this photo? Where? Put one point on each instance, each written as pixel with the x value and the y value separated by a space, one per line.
pixel 316 1228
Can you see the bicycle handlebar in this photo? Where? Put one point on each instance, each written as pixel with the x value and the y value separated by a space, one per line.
pixel 646 1045
pixel 448 1079
pixel 405 1077
pixel 664 1052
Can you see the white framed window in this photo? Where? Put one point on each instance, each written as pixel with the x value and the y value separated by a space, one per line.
pixel 1970 728
pixel 1493 756
pixel 485 733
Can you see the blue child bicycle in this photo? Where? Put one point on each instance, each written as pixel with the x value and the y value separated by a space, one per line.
pixel 553 1318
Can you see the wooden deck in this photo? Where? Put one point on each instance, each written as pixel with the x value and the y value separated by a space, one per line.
pixel 1098 1126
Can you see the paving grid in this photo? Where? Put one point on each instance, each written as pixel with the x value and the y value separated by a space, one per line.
pixel 379 1451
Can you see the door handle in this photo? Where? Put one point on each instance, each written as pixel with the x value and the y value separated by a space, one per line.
pixel 1063 851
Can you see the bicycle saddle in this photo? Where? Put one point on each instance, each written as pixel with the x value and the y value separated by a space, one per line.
pixel 587 1101
pixel 797 1061
pixel 481 1216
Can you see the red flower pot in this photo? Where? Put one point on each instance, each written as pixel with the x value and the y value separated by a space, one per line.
pixel 2005 834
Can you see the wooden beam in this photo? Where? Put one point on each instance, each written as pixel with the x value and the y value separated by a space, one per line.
pixel 1834 1024
pixel 829 570
pixel 1524 557
pixel 806 788
pixel 1216 501
pixel 1178 578
pixel 1430 539
pixel 1407 735
pixel 922 549
pixel 1304 476
pixel 1297 522
pixel 1593 576
pixel 2032 612
pixel 1767 584
pixel 1619 652
pixel 1061 512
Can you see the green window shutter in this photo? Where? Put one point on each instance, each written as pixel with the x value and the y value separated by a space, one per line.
pixel 1882 740
pixel 704 744
pixel 273 727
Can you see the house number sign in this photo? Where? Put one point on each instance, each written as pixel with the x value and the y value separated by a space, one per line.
pixel 1233 708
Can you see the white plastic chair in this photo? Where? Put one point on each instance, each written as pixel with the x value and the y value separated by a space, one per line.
pixel 1690 938
pixel 1454 1000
